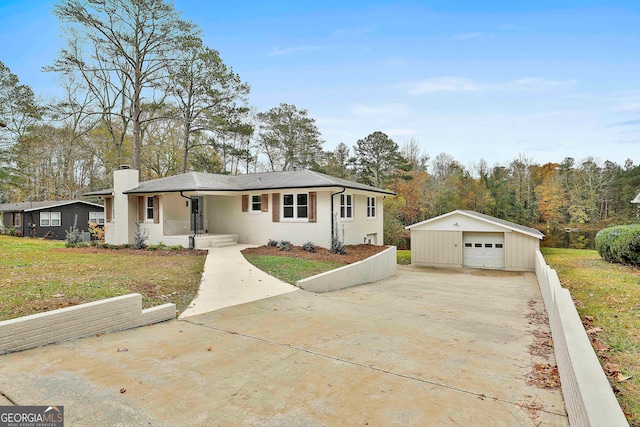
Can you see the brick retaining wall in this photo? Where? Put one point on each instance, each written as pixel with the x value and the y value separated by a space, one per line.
pixel 98 317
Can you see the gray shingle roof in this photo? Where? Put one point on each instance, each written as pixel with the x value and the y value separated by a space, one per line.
pixel 35 206
pixel 198 181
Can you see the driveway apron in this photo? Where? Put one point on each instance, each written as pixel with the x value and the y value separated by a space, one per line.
pixel 427 347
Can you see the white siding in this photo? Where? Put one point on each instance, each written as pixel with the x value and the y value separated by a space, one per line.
pixel 225 216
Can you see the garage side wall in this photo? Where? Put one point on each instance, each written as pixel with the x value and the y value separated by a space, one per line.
pixel 520 252
pixel 436 248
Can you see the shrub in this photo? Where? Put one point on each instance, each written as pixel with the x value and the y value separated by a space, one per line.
pixel 158 247
pixel 73 235
pixel 272 243
pixel 97 231
pixel 284 245
pixel 620 244
pixel 337 247
pixel 309 247
pixel 140 237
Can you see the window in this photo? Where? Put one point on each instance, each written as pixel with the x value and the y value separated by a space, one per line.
pixel 468 245
pixel 49 219
pixel 295 206
pixel 15 219
pixel 499 245
pixel 256 203
pixel 488 245
pixel 149 215
pixel 346 206
pixel 371 207
pixel 478 245
pixel 96 217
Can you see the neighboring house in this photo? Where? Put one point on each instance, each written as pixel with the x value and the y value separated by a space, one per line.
pixel 466 238
pixel 198 210
pixel 636 199
pixel 50 218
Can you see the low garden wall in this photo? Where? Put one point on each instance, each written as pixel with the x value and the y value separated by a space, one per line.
pixel 377 267
pixel 98 317
pixel 587 394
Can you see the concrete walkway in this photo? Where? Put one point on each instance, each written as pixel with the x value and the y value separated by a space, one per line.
pixel 228 280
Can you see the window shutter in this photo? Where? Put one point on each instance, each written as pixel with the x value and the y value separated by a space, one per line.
pixel 156 209
pixel 141 207
pixel 264 202
pixel 108 205
pixel 245 203
pixel 313 217
pixel 275 207
pixel 12 217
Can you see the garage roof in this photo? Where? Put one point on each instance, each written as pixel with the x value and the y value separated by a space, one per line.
pixel 487 218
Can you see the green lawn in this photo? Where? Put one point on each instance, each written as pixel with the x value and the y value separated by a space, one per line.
pixel 607 296
pixel 38 275
pixel 403 256
pixel 290 270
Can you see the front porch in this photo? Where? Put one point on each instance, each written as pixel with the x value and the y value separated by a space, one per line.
pixel 202 241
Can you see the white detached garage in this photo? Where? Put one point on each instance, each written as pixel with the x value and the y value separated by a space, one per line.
pixel 465 238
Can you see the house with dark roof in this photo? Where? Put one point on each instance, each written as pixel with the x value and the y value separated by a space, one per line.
pixel 51 219
pixel 199 210
pixel 464 238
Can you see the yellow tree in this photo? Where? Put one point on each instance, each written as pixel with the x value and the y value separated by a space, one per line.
pixel 552 200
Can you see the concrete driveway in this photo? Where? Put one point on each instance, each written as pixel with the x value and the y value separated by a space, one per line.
pixel 427 347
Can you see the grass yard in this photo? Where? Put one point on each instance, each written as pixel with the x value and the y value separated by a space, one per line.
pixel 39 275
pixel 403 256
pixel 290 270
pixel 607 297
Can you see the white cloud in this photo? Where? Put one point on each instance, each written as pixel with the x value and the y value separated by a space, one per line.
pixel 286 51
pixel 383 111
pixel 461 84
pixel 445 84
pixel 466 36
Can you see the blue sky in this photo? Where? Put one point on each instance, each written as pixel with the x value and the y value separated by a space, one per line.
pixel 490 80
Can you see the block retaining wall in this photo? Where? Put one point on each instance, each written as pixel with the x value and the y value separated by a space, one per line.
pixel 98 317
pixel 587 394
pixel 378 267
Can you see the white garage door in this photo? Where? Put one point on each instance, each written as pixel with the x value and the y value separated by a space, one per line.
pixel 484 250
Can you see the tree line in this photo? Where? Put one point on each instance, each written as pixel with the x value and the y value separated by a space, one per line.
pixel 141 88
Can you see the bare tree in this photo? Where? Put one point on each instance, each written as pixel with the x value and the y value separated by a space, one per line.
pixel 123 48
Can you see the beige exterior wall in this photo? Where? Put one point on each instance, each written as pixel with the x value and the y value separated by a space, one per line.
pixel 436 248
pixel 520 252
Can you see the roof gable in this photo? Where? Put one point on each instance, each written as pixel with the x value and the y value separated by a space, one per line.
pixel 37 206
pixel 489 220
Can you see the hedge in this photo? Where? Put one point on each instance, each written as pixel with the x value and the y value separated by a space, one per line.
pixel 620 244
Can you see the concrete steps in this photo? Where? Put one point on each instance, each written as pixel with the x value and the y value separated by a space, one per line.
pixel 222 240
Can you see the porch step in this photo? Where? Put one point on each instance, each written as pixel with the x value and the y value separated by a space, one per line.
pixel 220 241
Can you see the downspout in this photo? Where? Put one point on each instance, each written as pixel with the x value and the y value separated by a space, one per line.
pixel 334 194
pixel 192 238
